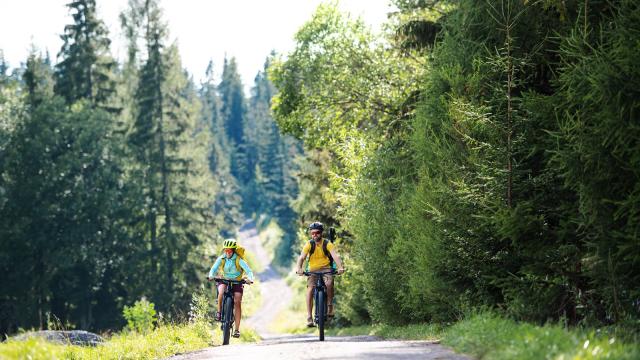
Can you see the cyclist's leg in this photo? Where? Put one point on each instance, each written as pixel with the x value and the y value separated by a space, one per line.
pixel 237 303
pixel 328 281
pixel 310 285
pixel 221 289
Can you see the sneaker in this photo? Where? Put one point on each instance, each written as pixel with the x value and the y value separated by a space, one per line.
pixel 217 315
pixel 236 334
pixel 310 322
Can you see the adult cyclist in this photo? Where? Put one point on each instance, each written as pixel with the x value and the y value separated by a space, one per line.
pixel 231 271
pixel 319 262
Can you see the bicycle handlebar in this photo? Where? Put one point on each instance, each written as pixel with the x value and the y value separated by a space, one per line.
pixel 309 273
pixel 230 281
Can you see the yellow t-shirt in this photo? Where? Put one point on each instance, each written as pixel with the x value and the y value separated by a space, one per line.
pixel 317 260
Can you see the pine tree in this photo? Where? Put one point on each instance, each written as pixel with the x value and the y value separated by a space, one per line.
pixel 171 167
pixel 233 112
pixel 228 198
pixel 86 68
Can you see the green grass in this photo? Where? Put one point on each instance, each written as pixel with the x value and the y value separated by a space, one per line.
pixel 164 341
pixel 489 336
pixel 429 332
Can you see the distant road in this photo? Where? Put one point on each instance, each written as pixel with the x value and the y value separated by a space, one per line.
pixel 276 295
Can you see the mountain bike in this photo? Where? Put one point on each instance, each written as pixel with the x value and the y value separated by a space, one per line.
pixel 320 300
pixel 226 313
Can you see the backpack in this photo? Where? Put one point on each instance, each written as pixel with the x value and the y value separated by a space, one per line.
pixel 240 255
pixel 331 236
pixel 332 263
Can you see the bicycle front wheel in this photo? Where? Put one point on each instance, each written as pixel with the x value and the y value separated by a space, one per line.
pixel 227 320
pixel 320 312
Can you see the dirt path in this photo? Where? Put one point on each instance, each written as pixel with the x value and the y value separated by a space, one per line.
pixel 308 347
pixel 284 347
pixel 276 295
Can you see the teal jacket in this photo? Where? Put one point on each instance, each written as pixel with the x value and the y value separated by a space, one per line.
pixel 230 271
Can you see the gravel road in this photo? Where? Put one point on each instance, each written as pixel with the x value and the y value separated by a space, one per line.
pixel 307 347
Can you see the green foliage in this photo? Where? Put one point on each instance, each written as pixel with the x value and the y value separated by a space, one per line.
pixel 141 317
pixel 485 335
pixel 494 165
pixel 86 69
pixel 163 342
pixel 488 336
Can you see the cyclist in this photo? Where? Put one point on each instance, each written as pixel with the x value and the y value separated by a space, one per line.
pixel 319 262
pixel 232 272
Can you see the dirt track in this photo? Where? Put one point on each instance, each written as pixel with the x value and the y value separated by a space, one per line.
pixel 284 346
pixel 308 347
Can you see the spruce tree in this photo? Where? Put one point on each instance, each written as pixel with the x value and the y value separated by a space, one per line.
pixel 86 68
pixel 171 166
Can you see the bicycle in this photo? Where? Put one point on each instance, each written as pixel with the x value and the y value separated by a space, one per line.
pixel 227 316
pixel 320 300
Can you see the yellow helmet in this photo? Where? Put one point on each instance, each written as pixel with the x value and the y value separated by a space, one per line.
pixel 229 244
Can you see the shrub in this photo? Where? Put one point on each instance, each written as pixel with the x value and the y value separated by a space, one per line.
pixel 141 316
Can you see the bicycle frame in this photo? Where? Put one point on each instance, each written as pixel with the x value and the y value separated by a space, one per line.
pixel 320 300
pixel 227 316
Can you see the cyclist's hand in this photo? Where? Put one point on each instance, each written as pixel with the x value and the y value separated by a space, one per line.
pixel 299 272
pixel 209 279
pixel 340 271
pixel 247 281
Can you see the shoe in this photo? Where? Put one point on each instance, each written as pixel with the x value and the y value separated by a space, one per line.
pixel 217 315
pixel 310 322
pixel 236 334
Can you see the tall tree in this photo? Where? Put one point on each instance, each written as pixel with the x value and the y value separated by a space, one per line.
pixel 86 68
pixel 233 112
pixel 228 200
pixel 172 167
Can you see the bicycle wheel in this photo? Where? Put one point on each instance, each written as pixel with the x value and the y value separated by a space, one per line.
pixel 320 312
pixel 227 320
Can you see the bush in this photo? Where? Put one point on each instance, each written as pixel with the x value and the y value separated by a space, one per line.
pixel 140 317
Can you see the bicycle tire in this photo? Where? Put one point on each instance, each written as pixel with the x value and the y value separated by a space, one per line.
pixel 320 312
pixel 227 320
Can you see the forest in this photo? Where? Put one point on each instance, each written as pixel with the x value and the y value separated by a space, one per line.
pixel 472 155
pixel 118 180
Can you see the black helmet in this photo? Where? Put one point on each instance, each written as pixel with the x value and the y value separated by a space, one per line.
pixel 316 226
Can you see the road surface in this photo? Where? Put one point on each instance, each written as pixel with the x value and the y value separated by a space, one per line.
pixel 285 347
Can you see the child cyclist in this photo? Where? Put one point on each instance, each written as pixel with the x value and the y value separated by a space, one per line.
pixel 232 272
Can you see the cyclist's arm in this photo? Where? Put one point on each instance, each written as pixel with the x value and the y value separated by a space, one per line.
pixel 214 268
pixel 336 258
pixel 247 269
pixel 302 257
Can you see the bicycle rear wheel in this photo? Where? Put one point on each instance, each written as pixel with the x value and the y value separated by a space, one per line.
pixel 320 312
pixel 227 320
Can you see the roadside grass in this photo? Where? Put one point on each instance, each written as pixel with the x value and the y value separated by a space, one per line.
pixel 164 341
pixel 429 332
pixel 489 336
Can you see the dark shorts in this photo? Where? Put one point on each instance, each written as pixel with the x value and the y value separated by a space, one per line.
pixel 237 288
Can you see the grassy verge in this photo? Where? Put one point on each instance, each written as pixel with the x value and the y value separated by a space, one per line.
pixel 489 336
pixel 164 341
